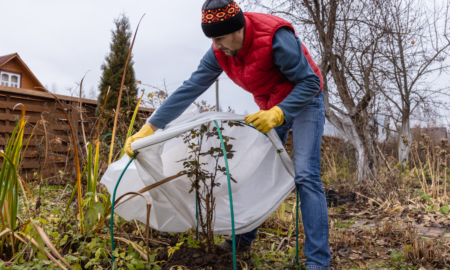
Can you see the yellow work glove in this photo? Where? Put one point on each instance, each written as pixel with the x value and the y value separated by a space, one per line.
pixel 145 131
pixel 264 121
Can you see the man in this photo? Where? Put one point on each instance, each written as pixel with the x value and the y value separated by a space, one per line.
pixel 262 54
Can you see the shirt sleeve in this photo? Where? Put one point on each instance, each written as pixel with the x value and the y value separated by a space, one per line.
pixel 207 73
pixel 289 57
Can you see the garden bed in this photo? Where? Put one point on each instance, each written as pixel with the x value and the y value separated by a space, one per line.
pixel 197 258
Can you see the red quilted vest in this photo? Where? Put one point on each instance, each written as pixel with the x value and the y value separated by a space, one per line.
pixel 253 68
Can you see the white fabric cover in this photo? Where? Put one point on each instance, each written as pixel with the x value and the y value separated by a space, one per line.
pixel 264 176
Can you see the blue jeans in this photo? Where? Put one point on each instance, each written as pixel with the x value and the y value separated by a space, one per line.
pixel 307 129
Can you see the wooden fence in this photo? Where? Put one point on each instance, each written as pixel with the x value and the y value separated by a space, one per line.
pixel 326 139
pixel 43 108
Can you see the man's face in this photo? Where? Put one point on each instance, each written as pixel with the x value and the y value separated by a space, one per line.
pixel 230 44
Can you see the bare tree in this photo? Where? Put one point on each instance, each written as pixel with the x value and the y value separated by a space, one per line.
pixel 92 93
pixel 157 97
pixel 346 36
pixel 54 89
pixel 414 50
pixel 73 90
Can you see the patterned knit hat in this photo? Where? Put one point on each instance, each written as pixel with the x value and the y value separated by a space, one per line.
pixel 221 17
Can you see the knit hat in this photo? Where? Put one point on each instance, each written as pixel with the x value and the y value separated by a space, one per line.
pixel 221 17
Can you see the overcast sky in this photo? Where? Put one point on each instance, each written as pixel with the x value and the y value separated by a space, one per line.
pixel 61 40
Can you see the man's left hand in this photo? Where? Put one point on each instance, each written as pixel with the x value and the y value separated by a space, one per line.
pixel 264 121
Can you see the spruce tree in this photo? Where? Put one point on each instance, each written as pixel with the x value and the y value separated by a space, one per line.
pixel 112 76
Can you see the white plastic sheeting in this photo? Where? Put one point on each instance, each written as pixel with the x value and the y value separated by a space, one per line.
pixel 263 171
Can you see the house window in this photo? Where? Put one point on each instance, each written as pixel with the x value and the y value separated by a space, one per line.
pixel 10 79
pixel 5 79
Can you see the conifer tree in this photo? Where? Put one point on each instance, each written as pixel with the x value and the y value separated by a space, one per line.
pixel 112 76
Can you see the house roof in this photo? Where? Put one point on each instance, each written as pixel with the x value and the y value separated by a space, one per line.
pixel 7 58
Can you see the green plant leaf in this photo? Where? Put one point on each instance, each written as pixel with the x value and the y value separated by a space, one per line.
pixel 70 258
pixel 90 219
pixel 35 235
pixel 90 263
pixel 396 256
pixel 444 210
pixel 115 253
pixel 407 248
pixel 77 267
pixel 99 253
pixel 64 240
pixel 130 128
pixel 98 206
pixel 42 256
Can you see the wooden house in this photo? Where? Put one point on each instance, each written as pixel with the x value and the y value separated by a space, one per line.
pixel 49 153
pixel 16 74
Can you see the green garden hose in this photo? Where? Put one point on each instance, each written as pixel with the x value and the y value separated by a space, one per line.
pixel 229 193
pixel 196 214
pixel 251 127
pixel 112 207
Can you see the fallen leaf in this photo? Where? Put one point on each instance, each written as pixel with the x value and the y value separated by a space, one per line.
pixel 343 251
pixel 355 257
pixel 442 219
pixel 380 242
pixel 366 256
pixel 436 225
pixel 361 264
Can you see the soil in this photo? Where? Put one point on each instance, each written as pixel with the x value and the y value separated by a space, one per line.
pixel 198 259
pixel 337 198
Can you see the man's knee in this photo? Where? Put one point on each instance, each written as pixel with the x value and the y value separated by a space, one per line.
pixel 308 179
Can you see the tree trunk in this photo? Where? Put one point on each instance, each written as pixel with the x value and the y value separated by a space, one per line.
pixel 362 141
pixel 405 139
pixel 365 152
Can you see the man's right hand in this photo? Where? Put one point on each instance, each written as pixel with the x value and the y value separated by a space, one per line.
pixel 145 131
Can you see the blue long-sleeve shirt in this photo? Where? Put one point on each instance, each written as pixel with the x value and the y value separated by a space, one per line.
pixel 287 55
